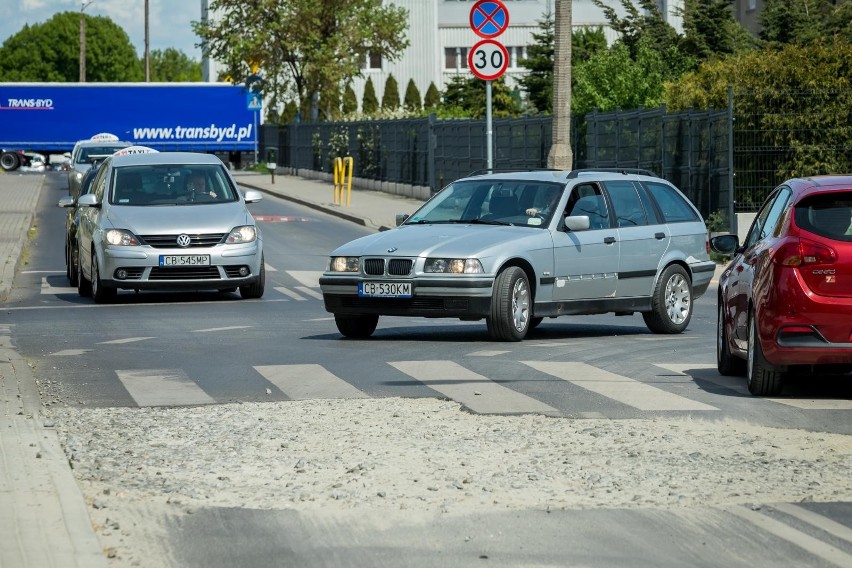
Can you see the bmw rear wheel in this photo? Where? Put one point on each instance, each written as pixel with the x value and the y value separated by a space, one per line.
pixel 762 380
pixel 510 306
pixel 671 304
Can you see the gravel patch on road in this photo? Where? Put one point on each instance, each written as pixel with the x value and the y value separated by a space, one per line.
pixel 429 455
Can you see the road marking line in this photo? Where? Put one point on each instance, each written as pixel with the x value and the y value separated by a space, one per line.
pixel 707 372
pixel 69 352
pixel 46 288
pixel 125 340
pixel 162 387
pixel 796 537
pixel 815 519
pixel 617 387
pixel 288 292
pixel 487 353
pixel 478 393
pixel 309 278
pixel 269 268
pixel 228 328
pixel 815 403
pixel 308 382
pixel 309 292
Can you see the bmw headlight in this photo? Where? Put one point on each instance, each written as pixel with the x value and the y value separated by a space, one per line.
pixel 244 234
pixel 121 238
pixel 344 264
pixel 453 265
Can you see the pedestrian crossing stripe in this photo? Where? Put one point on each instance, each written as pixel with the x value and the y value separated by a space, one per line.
pixel 290 293
pixel 617 387
pixel 478 393
pixel 309 278
pixel 162 387
pixel 309 292
pixel 308 381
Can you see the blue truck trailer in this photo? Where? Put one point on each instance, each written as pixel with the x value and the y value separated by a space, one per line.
pixel 49 118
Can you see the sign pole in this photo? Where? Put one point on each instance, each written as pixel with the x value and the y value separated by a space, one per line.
pixel 488 136
pixel 255 137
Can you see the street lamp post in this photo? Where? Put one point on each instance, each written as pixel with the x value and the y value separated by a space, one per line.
pixel 83 6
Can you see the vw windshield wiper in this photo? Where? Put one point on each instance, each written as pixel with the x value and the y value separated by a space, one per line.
pixel 487 222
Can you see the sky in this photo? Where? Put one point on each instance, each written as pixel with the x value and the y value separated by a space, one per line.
pixel 168 20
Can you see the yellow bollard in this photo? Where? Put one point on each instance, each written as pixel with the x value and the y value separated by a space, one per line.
pixel 347 160
pixel 338 187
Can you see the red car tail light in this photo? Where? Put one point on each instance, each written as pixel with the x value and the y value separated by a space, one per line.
pixel 800 252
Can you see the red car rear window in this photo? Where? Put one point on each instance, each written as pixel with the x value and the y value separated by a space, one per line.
pixel 827 215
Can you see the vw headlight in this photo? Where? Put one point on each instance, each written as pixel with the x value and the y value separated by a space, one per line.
pixel 453 265
pixel 344 264
pixel 121 238
pixel 244 234
pixel 78 175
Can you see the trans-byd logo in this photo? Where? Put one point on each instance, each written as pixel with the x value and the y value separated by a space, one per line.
pixel 46 104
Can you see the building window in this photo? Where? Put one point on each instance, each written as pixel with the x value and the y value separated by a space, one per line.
pixel 752 4
pixel 455 58
pixel 516 53
pixel 371 61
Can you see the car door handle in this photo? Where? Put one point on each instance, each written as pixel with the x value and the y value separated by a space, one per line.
pixel 609 240
pixel 659 236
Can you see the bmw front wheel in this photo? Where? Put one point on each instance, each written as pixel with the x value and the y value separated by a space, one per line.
pixel 511 303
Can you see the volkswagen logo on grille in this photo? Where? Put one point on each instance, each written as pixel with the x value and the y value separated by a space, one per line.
pixel 183 241
pixel 392 249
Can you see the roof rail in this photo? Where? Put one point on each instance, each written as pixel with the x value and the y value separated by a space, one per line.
pixel 485 171
pixel 638 171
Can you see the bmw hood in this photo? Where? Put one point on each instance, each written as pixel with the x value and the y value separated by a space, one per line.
pixel 440 240
pixel 180 219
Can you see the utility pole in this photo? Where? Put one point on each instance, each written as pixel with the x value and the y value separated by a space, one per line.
pixel 83 6
pixel 561 156
pixel 147 44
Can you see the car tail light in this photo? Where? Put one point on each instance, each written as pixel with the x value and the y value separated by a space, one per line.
pixel 801 252
pixel 707 243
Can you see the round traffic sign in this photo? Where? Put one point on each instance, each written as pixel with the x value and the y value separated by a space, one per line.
pixel 488 59
pixel 489 18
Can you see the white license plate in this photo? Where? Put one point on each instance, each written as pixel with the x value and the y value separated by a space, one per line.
pixel 385 289
pixel 184 260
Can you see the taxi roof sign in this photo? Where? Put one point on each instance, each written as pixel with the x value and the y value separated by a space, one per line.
pixel 105 136
pixel 135 150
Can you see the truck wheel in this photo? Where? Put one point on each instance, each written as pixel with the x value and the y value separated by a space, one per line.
pixel 9 161
pixel 357 327
pixel 762 381
pixel 671 304
pixel 510 306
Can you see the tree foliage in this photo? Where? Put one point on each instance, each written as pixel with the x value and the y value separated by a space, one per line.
pixel 412 101
pixel 710 30
pixel 369 102
pixel 647 25
pixel 302 46
pixel 464 96
pixel 805 21
pixel 613 79
pixel 390 98
pixel 172 65
pixel 350 101
pixel 51 52
pixel 432 99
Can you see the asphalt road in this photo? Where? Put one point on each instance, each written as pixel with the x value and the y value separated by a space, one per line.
pixel 225 349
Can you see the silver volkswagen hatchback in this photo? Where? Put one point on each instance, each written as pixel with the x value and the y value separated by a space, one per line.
pixel 171 220
pixel 514 248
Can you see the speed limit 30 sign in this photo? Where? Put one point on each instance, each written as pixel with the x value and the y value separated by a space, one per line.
pixel 488 59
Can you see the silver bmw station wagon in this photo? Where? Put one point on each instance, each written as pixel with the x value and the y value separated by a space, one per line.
pixel 513 248
pixel 164 221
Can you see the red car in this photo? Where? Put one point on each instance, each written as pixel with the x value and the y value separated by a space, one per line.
pixel 785 300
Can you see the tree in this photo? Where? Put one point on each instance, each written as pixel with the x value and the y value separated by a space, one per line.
pixel 302 47
pixel 412 97
pixel 390 98
pixel 369 102
pixel 432 100
pixel 538 81
pixel 649 24
pixel 612 79
pixel 50 52
pixel 350 101
pixel 172 65
pixel 464 96
pixel 804 21
pixel 710 30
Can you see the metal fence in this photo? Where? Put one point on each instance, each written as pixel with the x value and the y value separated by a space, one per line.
pixel 759 141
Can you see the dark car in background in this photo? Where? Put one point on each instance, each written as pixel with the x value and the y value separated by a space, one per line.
pixel 785 300
pixel 72 221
